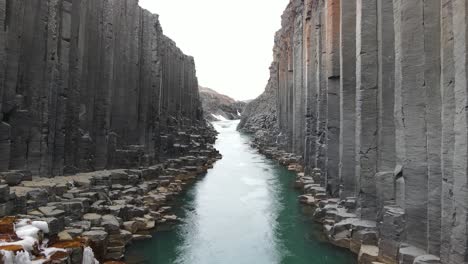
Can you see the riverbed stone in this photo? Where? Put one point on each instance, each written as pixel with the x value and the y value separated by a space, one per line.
pixel 368 254
pixel 427 259
pixel 94 219
pixel 408 253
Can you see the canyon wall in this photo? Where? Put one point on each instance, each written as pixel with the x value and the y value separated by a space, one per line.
pixel 88 85
pixel 373 93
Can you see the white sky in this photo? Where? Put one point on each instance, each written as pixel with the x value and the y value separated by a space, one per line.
pixel 231 40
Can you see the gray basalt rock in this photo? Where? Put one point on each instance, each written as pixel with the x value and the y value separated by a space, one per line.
pixel 375 108
pixel 89 85
pixel 99 242
pixel 427 259
pixel 4 193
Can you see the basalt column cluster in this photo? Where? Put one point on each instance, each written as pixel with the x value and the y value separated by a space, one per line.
pixel 90 84
pixel 373 94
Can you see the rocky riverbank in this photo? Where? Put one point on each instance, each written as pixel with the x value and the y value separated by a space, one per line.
pixel 373 242
pixel 103 210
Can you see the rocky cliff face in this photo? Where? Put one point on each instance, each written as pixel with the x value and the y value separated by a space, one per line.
pixel 260 115
pixel 373 94
pixel 92 88
pixel 90 84
pixel 218 106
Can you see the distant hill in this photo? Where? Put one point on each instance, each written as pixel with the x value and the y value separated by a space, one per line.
pixel 218 106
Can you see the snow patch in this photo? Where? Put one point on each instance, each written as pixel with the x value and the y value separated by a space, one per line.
pixel 23 257
pixel 88 256
pixel 8 256
pixel 30 232
pixel 219 117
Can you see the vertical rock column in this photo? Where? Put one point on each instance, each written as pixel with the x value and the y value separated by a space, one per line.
pixel 432 81
pixel 3 35
pixel 310 30
pixel 298 89
pixel 125 100
pixel 35 112
pixel 59 97
pixel 459 251
pixel 290 89
pixel 448 134
pixel 411 95
pixel 13 115
pixel 104 89
pixel 347 98
pixel 386 99
pixel 91 107
pixel 333 94
pixel 147 84
pixel 322 105
pixel 4 127
pixel 72 121
pixel 52 87
pixel 366 105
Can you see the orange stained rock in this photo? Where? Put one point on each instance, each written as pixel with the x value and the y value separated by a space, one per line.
pixel 13 248
pixel 8 237
pixel 7 225
pixel 59 255
pixel 76 243
pixel 40 258
pixel 114 262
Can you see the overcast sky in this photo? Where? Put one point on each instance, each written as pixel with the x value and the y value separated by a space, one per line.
pixel 231 40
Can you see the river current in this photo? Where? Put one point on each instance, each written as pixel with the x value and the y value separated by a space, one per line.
pixel 244 211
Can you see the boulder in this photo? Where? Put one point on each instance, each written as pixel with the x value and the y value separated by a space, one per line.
pixel 368 254
pixel 98 241
pixel 94 219
pixel 4 193
pixel 51 211
pixel 427 259
pixel 407 254
pixel 111 224
pixel 64 236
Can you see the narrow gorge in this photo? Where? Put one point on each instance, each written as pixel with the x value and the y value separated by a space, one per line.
pixel 370 97
pixel 112 152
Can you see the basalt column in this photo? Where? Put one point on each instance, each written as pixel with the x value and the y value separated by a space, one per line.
pixel 298 85
pixel 347 98
pixel 366 105
pixel 459 251
pixel 4 127
pixel 311 77
pixel 333 94
pixel 322 106
pixel 285 44
pixel 448 133
pixel 386 125
pixel 432 79
pixel 418 94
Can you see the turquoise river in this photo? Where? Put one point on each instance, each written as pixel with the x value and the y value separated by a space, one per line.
pixel 244 211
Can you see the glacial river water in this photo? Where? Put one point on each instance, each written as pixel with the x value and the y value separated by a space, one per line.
pixel 245 211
